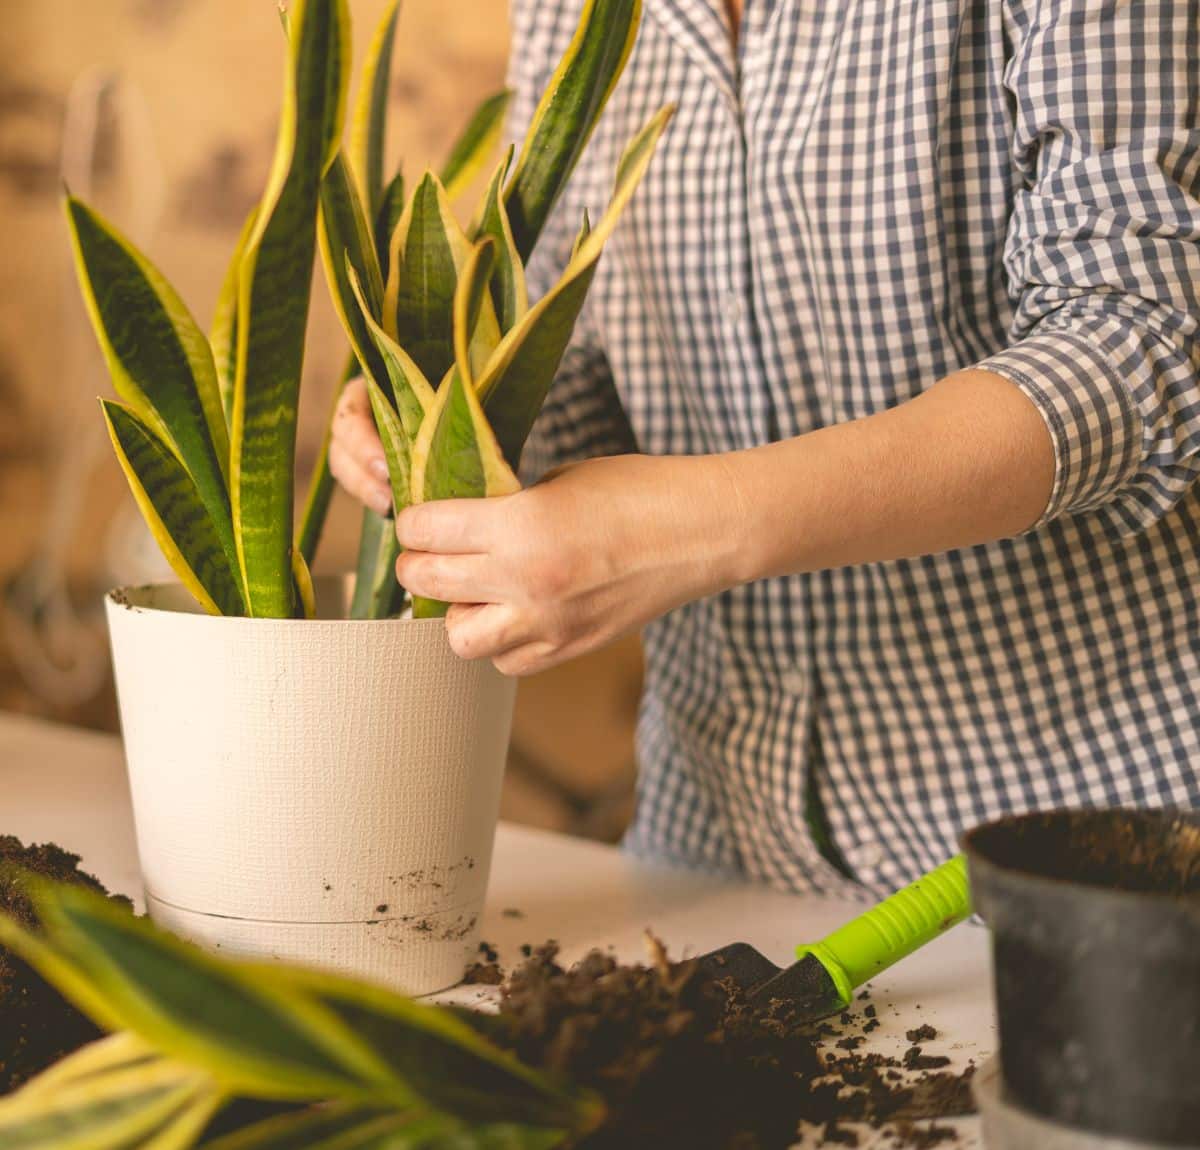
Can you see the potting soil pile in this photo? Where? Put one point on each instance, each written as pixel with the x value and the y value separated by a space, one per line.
pixel 37 1026
pixel 683 1060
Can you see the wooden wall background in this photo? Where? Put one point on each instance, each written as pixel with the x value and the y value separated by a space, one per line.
pixel 187 144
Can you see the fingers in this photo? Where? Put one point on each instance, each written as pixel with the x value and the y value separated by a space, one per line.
pixel 449 578
pixel 481 630
pixel 364 486
pixel 355 453
pixel 452 526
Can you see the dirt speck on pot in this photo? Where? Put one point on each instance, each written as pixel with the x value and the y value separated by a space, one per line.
pixel 37 1025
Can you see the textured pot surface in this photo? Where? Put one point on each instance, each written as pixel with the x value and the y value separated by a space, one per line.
pixel 1095 921
pixel 324 791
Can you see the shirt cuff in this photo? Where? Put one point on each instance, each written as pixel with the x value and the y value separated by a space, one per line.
pixel 1094 424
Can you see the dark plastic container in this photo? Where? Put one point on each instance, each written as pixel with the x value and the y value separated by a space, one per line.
pixel 1095 923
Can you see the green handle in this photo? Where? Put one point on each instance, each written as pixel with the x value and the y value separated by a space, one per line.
pixel 902 923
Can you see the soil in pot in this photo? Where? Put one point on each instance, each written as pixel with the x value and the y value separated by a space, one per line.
pixel 684 1060
pixel 37 1025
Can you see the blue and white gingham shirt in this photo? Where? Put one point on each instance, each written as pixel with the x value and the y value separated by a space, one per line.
pixel 868 196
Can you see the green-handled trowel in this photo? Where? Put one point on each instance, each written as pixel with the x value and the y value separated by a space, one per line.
pixel 824 979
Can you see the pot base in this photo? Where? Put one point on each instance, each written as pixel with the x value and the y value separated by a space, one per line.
pixel 413 955
pixel 1007 1126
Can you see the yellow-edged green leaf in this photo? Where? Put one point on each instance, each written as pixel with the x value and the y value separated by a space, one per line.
pixel 121 1051
pixel 368 121
pixel 412 392
pixel 377 595
pixel 397 446
pixel 391 208
pixel 456 456
pixel 302 578
pixel 509 293
pixel 514 384
pixel 338 1126
pixel 320 488
pixel 273 304
pixel 158 357
pixel 567 112
pixel 471 150
pixel 239 1024
pixel 171 505
pixel 113 1111
pixel 427 251
pixel 447 1063
pixel 469 300
pixel 222 335
pixel 348 245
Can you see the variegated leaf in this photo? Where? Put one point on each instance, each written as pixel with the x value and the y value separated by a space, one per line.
pixel 509 293
pixel 377 595
pixel 471 150
pixel 222 335
pixel 158 357
pixel 171 505
pixel 427 251
pixel 273 304
pixel 567 112
pixel 368 120
pixel 517 378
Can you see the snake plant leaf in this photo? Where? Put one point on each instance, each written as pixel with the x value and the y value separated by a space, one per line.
pixel 412 392
pixel 158 357
pixel 121 1051
pixel 472 148
pixel 347 245
pixel 274 288
pixel 161 1104
pixel 509 292
pixel 303 585
pixel 445 1061
pixel 427 251
pixel 222 334
pixel 336 1126
pixel 170 503
pixel 518 376
pixel 391 208
pixel 368 120
pixel 397 446
pixel 377 595
pixel 568 111
pixel 237 1023
pixel 469 300
pixel 456 456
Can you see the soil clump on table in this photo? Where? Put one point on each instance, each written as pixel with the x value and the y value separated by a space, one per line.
pixel 37 1025
pixel 682 1059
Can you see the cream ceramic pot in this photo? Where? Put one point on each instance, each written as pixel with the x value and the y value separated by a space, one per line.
pixel 322 791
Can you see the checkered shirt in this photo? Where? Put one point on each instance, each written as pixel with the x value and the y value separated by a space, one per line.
pixel 863 198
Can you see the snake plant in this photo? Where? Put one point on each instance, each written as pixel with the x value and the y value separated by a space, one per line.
pixel 456 358
pixel 351 1065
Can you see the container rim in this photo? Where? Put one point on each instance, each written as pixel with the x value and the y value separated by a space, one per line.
pixel 173 600
pixel 981 860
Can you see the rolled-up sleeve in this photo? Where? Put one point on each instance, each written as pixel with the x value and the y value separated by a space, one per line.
pixel 1103 248
pixel 583 416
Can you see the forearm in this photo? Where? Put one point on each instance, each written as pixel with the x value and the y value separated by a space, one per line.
pixel 966 462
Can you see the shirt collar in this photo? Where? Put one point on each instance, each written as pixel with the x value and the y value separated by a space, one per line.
pixel 701 28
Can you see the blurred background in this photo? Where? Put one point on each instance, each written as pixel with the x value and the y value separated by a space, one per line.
pixel 162 113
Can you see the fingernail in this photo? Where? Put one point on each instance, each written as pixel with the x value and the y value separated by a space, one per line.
pixel 382 501
pixel 378 468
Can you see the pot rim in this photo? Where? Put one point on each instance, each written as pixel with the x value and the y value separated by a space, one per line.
pixel 187 607
pixel 977 860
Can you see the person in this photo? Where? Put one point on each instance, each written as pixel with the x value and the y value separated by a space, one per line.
pixel 882 420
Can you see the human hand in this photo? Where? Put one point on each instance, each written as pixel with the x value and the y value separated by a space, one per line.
pixel 356 456
pixel 592 552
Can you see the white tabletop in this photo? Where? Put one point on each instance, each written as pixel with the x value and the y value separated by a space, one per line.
pixel 69 786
